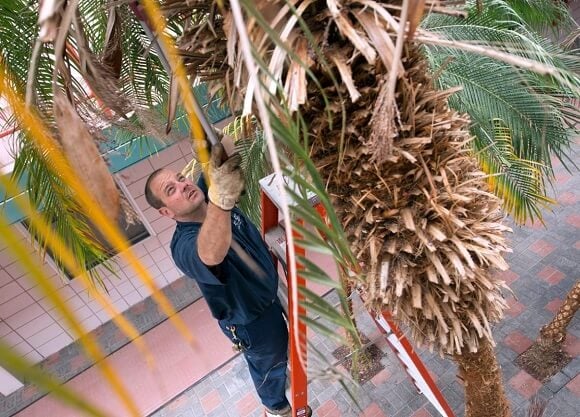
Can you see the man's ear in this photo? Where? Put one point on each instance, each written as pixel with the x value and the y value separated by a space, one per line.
pixel 164 211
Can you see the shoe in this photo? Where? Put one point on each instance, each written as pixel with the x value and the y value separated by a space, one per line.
pixel 285 412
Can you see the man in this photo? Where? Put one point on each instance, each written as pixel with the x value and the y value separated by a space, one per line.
pixel 217 246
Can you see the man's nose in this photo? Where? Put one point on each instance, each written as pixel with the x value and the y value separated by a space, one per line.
pixel 183 186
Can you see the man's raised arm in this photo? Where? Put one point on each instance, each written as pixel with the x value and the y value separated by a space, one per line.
pixel 226 185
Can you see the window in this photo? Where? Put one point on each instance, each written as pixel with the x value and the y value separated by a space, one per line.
pixel 134 231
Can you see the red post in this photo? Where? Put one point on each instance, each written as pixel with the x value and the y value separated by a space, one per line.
pixel 411 362
pixel 298 378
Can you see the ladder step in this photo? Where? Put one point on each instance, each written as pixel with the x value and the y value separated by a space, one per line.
pixel 271 186
pixel 276 241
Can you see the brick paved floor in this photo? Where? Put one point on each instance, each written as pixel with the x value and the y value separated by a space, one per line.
pixel 545 264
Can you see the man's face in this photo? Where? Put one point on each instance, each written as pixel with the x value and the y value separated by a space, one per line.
pixel 182 199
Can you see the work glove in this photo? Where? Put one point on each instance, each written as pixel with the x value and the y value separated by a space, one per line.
pixel 226 178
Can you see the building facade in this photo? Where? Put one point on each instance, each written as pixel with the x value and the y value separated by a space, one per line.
pixel 29 323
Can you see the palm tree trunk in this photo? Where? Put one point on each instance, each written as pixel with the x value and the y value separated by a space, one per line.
pixel 481 374
pixel 546 357
pixel 361 362
pixel 555 331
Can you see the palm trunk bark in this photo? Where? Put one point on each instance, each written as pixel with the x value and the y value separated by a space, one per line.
pixel 484 391
pixel 555 331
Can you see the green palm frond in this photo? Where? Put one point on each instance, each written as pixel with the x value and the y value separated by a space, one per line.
pixel 45 190
pixel 538 128
pixel 94 19
pixel 144 81
pixel 499 27
pixel 543 15
pixel 48 193
pixel 537 110
pixel 518 182
pixel 18 32
pixel 250 143
pixel 144 78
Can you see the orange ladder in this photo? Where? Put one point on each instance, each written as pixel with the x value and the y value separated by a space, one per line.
pixel 298 379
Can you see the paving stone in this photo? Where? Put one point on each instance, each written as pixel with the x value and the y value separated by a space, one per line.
pixel 508 276
pixel 574 386
pixel 246 405
pixel 508 366
pixel 508 354
pixel 566 412
pixel 515 307
pixel 572 345
pixel 514 397
pixel 542 247
pixel 517 341
pixel 551 275
pixel 417 402
pixel 558 381
pixel 574 220
pixel 220 411
pixel 344 404
pixel 395 400
pixel 525 384
pixel 567 398
pixel 328 409
pixel 422 412
pixel 373 410
pixel 455 400
pixel 404 412
pixel 573 368
pixel 554 305
pixel 211 401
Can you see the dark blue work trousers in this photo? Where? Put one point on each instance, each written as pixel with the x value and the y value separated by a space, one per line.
pixel 264 343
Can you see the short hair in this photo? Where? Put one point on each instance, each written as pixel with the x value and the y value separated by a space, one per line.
pixel 151 198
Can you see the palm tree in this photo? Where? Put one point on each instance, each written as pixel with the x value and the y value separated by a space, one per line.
pixel 394 159
pixel 556 329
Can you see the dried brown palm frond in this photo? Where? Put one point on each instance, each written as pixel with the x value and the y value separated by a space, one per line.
pixel 537 407
pixel 61 23
pixel 84 157
pixel 112 55
pixel 421 219
pixel 203 44
pixel 100 74
pixel 424 223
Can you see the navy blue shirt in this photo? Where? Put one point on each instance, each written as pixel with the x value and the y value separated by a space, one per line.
pixel 240 288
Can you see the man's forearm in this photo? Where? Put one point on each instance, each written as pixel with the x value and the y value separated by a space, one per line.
pixel 215 236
